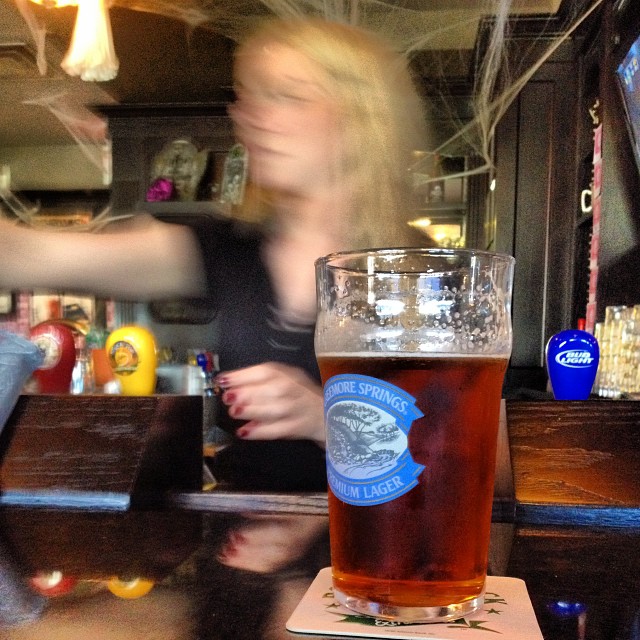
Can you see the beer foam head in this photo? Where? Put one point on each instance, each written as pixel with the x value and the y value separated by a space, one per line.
pixel 415 301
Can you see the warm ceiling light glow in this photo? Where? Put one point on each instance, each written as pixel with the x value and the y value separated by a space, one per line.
pixel 420 223
pixel 54 4
pixel 91 54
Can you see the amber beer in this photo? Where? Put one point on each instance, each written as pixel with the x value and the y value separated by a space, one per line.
pixel 429 546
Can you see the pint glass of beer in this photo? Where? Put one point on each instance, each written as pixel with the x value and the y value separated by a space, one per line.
pixel 412 346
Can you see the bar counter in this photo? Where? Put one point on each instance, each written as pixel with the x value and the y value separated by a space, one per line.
pixel 222 575
pixel 224 564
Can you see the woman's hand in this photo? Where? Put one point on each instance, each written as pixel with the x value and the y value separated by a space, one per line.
pixel 278 401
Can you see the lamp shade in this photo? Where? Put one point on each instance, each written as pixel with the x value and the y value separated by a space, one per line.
pixel 91 54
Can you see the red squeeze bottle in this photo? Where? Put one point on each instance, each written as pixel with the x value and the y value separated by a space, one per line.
pixel 57 343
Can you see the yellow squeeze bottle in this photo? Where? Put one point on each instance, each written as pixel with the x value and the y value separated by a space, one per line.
pixel 131 351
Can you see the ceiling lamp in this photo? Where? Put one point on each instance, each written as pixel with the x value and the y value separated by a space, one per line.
pixel 91 54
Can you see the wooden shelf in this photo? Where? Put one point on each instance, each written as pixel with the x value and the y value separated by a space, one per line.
pixel 176 208
pixel 442 208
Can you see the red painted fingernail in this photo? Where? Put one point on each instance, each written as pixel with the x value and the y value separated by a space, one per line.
pixel 242 432
pixel 229 397
pixel 236 410
pixel 222 381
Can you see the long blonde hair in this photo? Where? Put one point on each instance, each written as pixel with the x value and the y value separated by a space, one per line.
pixel 382 119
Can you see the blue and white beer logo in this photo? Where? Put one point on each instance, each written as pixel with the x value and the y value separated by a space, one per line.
pixel 575 358
pixel 368 421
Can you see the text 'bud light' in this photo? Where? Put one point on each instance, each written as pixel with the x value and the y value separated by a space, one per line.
pixel 575 358
pixel 572 364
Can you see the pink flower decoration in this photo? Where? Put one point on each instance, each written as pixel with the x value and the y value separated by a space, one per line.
pixel 160 191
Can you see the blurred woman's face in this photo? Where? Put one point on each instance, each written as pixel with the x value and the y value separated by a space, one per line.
pixel 286 120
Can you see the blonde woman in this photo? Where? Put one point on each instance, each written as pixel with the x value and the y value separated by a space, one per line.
pixel 329 115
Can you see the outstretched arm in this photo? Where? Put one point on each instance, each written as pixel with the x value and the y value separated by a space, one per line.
pixel 140 259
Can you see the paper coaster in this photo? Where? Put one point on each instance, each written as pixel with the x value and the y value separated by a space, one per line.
pixel 507 611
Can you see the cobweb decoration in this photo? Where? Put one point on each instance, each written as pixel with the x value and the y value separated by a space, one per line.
pixel 38 33
pixel 425 36
pixel 89 130
pixel 26 212
pixel 413 30
pixel 490 102
pixel 20 207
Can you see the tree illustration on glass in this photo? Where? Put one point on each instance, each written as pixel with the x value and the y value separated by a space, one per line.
pixel 355 435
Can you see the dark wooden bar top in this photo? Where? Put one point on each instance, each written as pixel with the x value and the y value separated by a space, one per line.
pixel 228 564
pixel 575 462
pixel 558 463
pixel 222 575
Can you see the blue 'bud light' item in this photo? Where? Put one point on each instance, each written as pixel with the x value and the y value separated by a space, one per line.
pixel 572 363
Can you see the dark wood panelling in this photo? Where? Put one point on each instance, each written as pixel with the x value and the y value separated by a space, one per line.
pixel 536 188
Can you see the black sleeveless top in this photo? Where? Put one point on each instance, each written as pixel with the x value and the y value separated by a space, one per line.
pixel 250 332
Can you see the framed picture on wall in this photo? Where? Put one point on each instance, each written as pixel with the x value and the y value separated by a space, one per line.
pixel 48 306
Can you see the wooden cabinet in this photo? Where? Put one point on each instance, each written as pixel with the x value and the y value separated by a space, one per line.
pixel 139 133
pixel 544 161
pixel 535 196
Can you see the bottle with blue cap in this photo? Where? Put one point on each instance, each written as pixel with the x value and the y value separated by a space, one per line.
pixel 572 363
